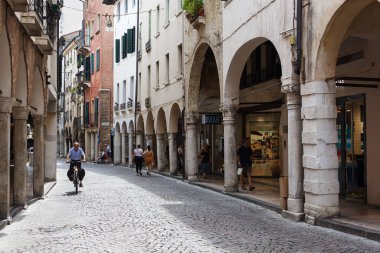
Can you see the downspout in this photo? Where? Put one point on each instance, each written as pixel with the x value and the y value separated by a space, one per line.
pixel 299 38
pixel 137 68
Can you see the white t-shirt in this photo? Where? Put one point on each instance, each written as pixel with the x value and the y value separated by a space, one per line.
pixel 138 152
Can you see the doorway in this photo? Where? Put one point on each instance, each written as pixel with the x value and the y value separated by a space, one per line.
pixel 351 147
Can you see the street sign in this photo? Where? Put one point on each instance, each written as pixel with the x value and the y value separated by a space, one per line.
pixel 212 119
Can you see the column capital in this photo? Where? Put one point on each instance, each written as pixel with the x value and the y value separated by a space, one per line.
pixel 172 136
pixel 293 99
pixel 290 84
pixel 228 110
pixel 20 112
pixel 6 104
pixel 159 136
pixel 191 118
pixel 38 118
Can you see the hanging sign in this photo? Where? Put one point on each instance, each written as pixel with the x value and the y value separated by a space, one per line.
pixel 212 119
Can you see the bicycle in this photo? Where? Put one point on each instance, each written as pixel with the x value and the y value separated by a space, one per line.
pixel 75 175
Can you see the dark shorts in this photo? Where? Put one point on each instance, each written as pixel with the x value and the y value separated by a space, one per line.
pixel 246 169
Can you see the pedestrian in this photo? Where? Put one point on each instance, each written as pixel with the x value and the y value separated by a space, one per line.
pixel 244 157
pixel 75 156
pixel 180 157
pixel 108 151
pixel 204 157
pixel 138 159
pixel 149 160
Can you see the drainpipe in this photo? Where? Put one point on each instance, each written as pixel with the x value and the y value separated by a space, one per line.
pixel 137 67
pixel 299 38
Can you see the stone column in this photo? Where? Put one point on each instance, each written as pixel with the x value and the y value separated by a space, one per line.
pixel 295 170
pixel 173 153
pixel 160 152
pixel 140 139
pixel 230 149
pixel 320 160
pixel 38 156
pixel 96 145
pixel 20 117
pixel 130 147
pixel 123 149
pixel 92 152
pixel 117 148
pixel 149 140
pixel 191 147
pixel 5 110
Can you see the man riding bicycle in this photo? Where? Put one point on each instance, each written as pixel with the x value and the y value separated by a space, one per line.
pixel 76 154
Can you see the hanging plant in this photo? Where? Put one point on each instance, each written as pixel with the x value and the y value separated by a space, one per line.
pixel 192 7
pixel 74 89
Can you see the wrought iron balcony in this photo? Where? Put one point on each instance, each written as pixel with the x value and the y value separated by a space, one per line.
pixel 122 106
pixel 109 2
pixel 116 108
pixel 129 104
pixel 148 46
pixel 139 55
pixel 33 19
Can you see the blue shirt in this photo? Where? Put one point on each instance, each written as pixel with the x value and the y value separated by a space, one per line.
pixel 76 155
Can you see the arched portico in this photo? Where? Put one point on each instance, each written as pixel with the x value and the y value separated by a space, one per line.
pixel 341 93
pixel 161 130
pixel 131 132
pixel 117 145
pixel 174 136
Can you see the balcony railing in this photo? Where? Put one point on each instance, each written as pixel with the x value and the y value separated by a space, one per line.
pixel 148 46
pixel 122 106
pixel 139 55
pixel 129 104
pixel 50 22
pixel 116 108
pixel 78 122
pixel 38 7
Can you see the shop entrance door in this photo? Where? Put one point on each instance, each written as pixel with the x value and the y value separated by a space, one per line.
pixel 351 147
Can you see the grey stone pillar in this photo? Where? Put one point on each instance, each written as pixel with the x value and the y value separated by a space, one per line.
pixel 230 149
pixel 130 149
pixel 96 145
pixel 320 160
pixel 172 153
pixel 295 170
pixel 5 110
pixel 117 148
pixel 38 156
pixel 191 147
pixel 20 117
pixel 123 150
pixel 92 152
pixel 160 152
pixel 149 140
pixel 140 139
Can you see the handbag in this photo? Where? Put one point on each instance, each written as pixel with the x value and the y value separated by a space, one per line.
pixel 240 171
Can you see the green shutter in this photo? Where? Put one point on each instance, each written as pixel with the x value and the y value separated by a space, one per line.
pixel 131 40
pixel 96 111
pixel 97 60
pixel 79 60
pixel 88 69
pixel 117 50
pixel 86 113
pixel 124 45
pixel 92 63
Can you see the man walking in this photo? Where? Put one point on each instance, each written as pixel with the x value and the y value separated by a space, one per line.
pixel 244 157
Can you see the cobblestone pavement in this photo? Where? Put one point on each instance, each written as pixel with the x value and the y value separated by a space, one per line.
pixel 117 211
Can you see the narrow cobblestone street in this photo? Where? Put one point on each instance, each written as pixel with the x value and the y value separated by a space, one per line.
pixel 117 211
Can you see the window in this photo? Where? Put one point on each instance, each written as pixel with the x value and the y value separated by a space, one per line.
pixel 126 6
pixel 117 50
pixel 124 91
pixel 131 87
pixel 158 20
pixel 167 78
pixel 150 24
pixel 157 74
pixel 139 39
pixel 167 11
pixel 98 23
pixel 87 113
pixel 96 115
pixel 97 59
pixel 87 35
pixel 92 28
pixel 118 11
pixel 179 4
pixel 179 63
pixel 118 94
pixel 148 81
pixel 139 88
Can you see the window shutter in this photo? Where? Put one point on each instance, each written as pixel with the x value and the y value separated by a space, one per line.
pixel 124 45
pixel 87 69
pixel 96 111
pixel 97 60
pixel 79 60
pixel 117 50
pixel 131 40
pixel 92 63
pixel 86 113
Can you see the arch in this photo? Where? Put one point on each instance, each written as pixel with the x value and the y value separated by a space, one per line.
pixel 161 122
pixel 140 123
pixel 131 126
pixel 235 69
pixel 38 97
pixel 5 70
pixel 117 127
pixel 332 38
pixel 175 114
pixel 124 127
pixel 196 73
pixel 149 124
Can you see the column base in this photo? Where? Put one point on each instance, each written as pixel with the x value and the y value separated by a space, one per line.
pixel 312 212
pixel 193 178
pixel 231 188
pixel 295 205
pixel 292 215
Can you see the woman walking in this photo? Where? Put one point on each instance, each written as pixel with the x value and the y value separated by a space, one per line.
pixel 204 156
pixel 149 160
pixel 138 158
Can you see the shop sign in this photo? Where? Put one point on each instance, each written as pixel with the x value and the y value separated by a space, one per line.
pixel 212 119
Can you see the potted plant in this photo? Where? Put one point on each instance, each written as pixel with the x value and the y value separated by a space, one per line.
pixel 193 8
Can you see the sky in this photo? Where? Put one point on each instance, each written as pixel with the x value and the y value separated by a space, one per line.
pixel 71 20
